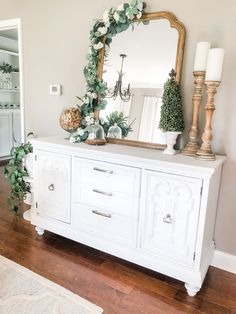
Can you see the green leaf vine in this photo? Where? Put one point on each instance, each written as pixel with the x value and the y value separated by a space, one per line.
pixel 114 21
pixel 15 172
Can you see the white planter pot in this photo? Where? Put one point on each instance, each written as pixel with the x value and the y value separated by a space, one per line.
pixel 28 199
pixel 29 196
pixel 29 163
pixel 171 138
pixel 27 215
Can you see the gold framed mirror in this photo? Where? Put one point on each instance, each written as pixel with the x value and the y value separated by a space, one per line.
pixel 147 59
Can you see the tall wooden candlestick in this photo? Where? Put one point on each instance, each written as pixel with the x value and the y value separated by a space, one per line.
pixel 205 151
pixel 192 146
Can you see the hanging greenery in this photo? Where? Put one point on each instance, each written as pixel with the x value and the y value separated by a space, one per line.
pixel 114 21
pixel 7 68
pixel 171 119
pixel 15 172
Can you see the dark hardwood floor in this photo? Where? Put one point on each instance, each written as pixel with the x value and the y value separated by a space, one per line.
pixel 115 285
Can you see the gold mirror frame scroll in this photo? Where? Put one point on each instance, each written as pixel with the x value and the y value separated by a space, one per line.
pixel 174 23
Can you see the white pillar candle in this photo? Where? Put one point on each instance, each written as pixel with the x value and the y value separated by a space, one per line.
pixel 201 55
pixel 214 64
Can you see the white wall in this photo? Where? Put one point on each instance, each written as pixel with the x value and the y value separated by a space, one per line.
pixel 55 42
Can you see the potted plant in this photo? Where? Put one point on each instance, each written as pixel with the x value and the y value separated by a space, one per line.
pixel 171 120
pixel 118 118
pixel 15 171
pixel 7 68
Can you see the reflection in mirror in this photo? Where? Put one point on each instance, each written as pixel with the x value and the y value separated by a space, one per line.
pixel 10 116
pixel 151 52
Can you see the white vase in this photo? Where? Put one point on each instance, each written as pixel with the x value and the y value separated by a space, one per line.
pixel 29 196
pixel 171 138
pixel 27 215
pixel 29 163
pixel 28 200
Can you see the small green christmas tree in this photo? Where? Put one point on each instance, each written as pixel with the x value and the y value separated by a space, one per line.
pixel 171 119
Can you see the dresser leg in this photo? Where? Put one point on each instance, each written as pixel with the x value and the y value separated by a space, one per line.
pixel 39 230
pixel 192 290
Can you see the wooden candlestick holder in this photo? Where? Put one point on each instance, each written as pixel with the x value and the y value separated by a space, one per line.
pixel 192 146
pixel 205 151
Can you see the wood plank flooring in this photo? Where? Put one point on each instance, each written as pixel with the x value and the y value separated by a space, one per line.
pixel 117 286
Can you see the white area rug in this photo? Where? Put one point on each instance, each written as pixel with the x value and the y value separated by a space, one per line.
pixel 24 292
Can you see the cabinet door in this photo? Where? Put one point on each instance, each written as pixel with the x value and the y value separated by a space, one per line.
pixel 16 127
pixel 170 214
pixel 6 141
pixel 52 185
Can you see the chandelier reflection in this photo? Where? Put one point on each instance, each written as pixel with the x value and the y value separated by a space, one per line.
pixel 124 94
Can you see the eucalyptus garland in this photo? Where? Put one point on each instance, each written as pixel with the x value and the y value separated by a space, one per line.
pixel 114 21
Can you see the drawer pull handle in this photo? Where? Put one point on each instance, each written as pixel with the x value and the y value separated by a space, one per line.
pixel 101 214
pixel 103 170
pixel 167 219
pixel 102 192
pixel 51 187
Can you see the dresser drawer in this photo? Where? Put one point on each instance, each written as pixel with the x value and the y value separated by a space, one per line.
pixel 104 224
pixel 121 204
pixel 107 176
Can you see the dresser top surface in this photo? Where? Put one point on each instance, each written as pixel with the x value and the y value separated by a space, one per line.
pixel 129 153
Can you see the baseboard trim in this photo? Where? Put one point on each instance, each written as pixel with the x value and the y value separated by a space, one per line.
pixel 224 261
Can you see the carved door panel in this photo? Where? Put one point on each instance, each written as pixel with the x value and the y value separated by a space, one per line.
pixel 170 215
pixel 52 193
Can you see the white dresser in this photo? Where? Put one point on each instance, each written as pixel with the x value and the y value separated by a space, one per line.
pixel 151 209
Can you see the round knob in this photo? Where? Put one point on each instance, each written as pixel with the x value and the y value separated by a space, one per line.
pixel 167 219
pixel 51 187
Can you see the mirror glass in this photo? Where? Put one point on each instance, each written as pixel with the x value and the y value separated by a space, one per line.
pixel 10 113
pixel 150 52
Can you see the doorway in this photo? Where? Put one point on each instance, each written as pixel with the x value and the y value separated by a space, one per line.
pixel 11 88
